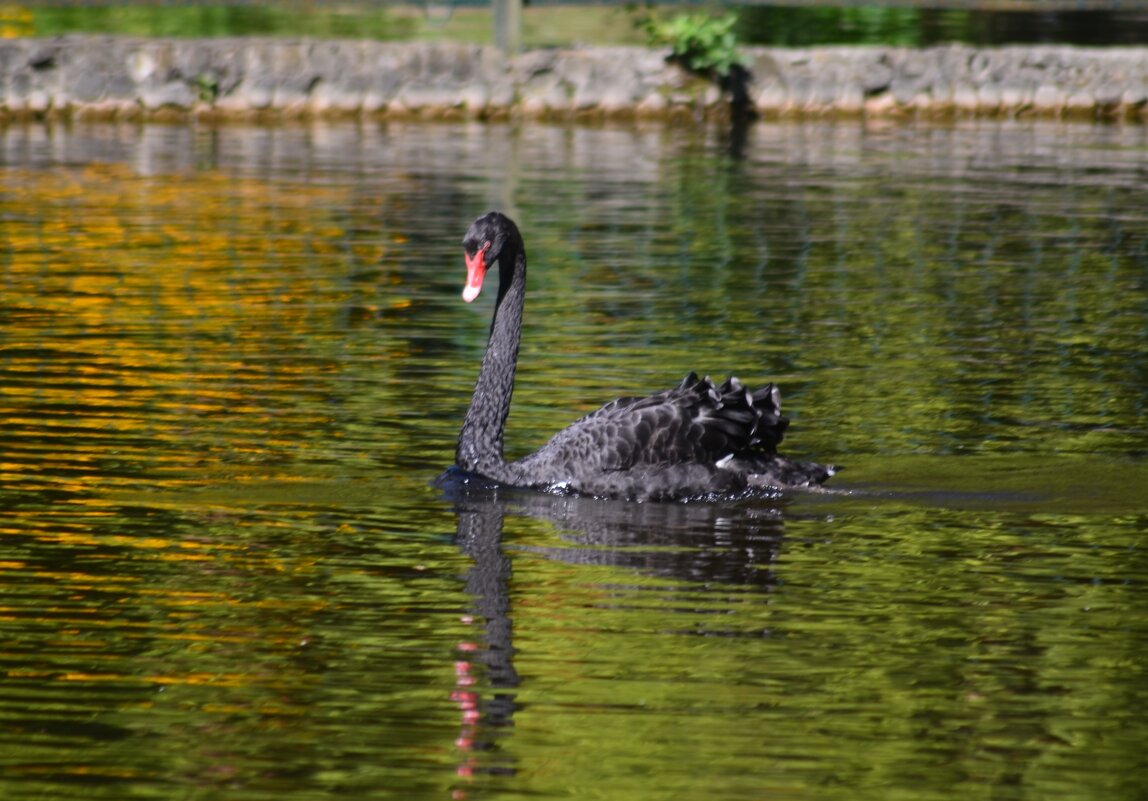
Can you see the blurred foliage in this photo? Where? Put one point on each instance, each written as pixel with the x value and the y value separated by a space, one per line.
pixel 546 26
pixel 541 27
pixel 702 42
pixel 801 26
pixel 221 20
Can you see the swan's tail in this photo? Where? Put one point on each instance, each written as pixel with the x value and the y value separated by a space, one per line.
pixel 750 418
pixel 753 419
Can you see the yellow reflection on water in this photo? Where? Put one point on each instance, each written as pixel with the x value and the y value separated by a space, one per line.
pixel 160 309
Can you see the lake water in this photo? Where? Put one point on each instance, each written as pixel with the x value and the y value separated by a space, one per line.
pixel 233 360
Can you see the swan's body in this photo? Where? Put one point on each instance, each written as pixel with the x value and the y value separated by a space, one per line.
pixel 698 439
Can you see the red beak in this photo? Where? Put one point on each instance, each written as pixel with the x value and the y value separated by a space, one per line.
pixel 475 272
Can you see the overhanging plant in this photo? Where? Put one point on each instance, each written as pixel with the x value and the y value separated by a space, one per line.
pixel 705 45
pixel 700 42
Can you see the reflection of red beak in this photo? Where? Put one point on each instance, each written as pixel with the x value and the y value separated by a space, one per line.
pixel 475 271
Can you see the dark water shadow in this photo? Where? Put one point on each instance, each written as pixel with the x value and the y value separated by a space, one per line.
pixel 704 543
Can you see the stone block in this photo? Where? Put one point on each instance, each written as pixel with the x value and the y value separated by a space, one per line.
pixel 1048 98
pixel 170 94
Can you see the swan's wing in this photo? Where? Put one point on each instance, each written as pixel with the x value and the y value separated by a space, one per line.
pixel 697 422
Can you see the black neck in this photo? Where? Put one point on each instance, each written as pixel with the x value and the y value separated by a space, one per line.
pixel 480 441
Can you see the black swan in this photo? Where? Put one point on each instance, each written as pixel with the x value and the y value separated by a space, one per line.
pixel 697 440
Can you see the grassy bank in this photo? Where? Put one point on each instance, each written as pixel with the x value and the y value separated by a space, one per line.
pixel 542 27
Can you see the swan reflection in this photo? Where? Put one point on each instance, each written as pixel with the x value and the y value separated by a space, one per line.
pixel 704 544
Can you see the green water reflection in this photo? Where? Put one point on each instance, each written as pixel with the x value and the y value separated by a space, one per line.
pixel 233 360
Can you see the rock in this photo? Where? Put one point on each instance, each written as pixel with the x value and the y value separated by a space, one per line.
pixel 171 93
pixel 1136 94
pixel 652 104
pixel 546 92
pixel 988 98
pixel 873 75
pixel 850 99
pixel 1014 97
pixel 1047 98
pixel 965 98
pixel 1079 102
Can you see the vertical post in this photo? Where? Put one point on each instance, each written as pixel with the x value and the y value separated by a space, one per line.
pixel 507 25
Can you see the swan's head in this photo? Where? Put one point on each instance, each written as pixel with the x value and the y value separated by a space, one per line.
pixel 484 242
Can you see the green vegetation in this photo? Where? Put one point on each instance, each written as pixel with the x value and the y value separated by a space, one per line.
pixel 565 26
pixel 703 43
pixel 193 21
pixel 703 39
pixel 541 27
pixel 807 26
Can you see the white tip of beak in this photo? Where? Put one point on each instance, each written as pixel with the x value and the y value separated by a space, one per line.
pixel 469 292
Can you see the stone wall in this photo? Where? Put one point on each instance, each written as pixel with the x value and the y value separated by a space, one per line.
pixel 120 77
